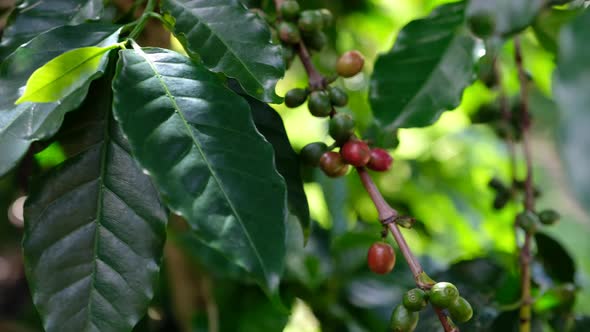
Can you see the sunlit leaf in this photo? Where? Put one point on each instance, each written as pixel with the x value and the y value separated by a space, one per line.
pixel 64 74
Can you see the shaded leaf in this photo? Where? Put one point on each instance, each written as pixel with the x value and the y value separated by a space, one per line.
pixel 32 17
pixel 64 74
pixel 197 140
pixel 28 122
pixel 509 17
pixel 230 39
pixel 270 125
pixel 95 229
pixel 426 72
pixel 557 262
pixel 570 90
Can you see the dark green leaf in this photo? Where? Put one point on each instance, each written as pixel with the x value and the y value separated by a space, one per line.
pixel 570 89
pixel 509 16
pixel 270 125
pixel 557 262
pixel 28 122
pixel 95 229
pixel 548 24
pixel 32 17
pixel 198 141
pixel 582 324
pixel 426 72
pixel 230 39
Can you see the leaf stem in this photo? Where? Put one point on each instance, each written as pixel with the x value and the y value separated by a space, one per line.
pixel 529 197
pixel 141 22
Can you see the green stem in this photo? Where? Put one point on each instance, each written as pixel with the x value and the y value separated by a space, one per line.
pixel 141 22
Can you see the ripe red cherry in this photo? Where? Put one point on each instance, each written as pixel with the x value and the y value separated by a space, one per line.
pixel 380 161
pixel 356 153
pixel 381 258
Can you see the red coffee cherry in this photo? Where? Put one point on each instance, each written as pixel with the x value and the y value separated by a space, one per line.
pixel 356 153
pixel 380 161
pixel 350 64
pixel 381 258
pixel 333 165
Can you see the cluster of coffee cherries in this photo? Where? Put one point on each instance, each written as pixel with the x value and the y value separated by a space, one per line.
pixel 297 25
pixel 443 295
pixel 507 192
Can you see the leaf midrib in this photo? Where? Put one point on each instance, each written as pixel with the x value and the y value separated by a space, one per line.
pixel 198 145
pixel 214 32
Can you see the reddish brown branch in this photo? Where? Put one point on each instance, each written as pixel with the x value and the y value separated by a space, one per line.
pixel 529 199
pixel 316 80
pixel 447 325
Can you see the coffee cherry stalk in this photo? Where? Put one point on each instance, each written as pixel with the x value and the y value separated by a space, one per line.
pixel 300 32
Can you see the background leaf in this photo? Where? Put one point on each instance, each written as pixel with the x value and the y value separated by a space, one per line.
pixel 95 228
pixel 197 140
pixel 548 24
pixel 32 17
pixel 28 122
pixel 64 74
pixel 230 39
pixel 556 261
pixel 510 16
pixel 426 72
pixel 570 90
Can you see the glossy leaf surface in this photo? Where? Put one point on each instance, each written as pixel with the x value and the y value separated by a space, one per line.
pixel 197 140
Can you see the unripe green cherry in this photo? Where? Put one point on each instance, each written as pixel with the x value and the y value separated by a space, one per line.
pixel 528 221
pixel 338 97
pixel 333 165
pixel 327 17
pixel 319 104
pixel 289 9
pixel 549 217
pixel 350 64
pixel 443 294
pixel 356 153
pixel 312 153
pixel 341 127
pixel 295 97
pixel 460 310
pixel 482 24
pixel 315 40
pixel 415 299
pixel 403 320
pixel 310 20
pixel 289 33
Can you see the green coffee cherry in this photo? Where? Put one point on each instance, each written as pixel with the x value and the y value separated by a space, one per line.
pixel 319 104
pixel 312 153
pixel 289 33
pixel 502 198
pixel 443 294
pixel 403 320
pixel 341 127
pixel 310 21
pixel 327 17
pixel 338 97
pixel 482 24
pixel 289 9
pixel 315 40
pixel 295 97
pixel 460 310
pixel 487 73
pixel 415 299
pixel 548 217
pixel 528 221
